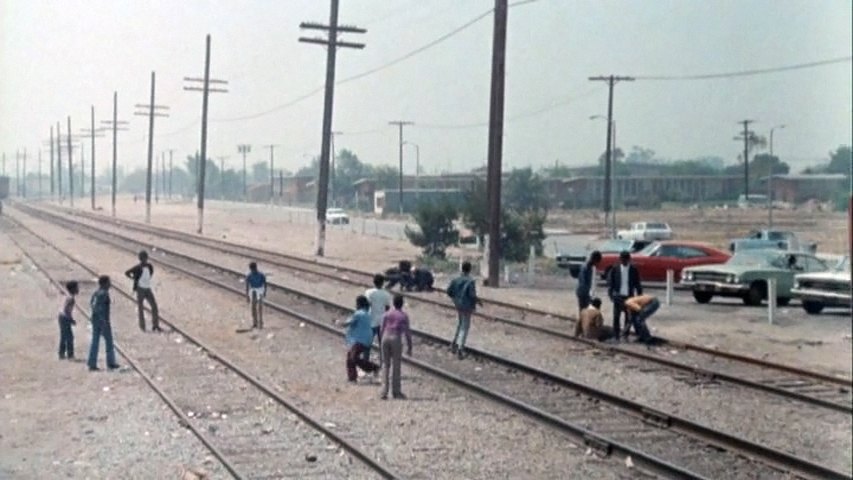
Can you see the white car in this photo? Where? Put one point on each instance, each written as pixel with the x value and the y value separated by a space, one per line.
pixel 646 231
pixel 824 289
pixel 337 216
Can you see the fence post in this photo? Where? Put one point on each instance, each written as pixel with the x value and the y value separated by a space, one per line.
pixel 363 225
pixel 670 279
pixel 771 300
pixel 530 265
pixel 506 273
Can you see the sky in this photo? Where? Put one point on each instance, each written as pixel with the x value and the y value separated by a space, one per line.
pixel 59 58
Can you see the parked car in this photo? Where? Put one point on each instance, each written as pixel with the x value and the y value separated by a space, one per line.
pixel 824 289
pixel 653 261
pixel 746 275
pixel 771 239
pixel 648 231
pixel 337 216
pixel 574 261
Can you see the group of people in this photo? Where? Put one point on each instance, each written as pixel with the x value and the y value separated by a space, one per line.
pixel 99 317
pixel 626 294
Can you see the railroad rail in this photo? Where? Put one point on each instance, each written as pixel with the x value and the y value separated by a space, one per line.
pixel 217 408
pixel 792 383
pixel 605 422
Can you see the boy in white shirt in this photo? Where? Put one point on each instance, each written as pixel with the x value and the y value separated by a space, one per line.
pixel 380 302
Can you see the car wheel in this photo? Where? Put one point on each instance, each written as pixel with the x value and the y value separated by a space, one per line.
pixel 755 294
pixel 703 297
pixel 783 301
pixel 812 307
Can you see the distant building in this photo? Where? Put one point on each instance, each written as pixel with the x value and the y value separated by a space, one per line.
pixel 649 190
pixel 388 201
pixel 799 188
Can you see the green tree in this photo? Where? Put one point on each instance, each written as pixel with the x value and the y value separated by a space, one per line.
pixel 520 231
pixel 260 172
pixel 840 160
pixel 386 176
pixel 525 191
pixel 640 155
pixel 436 229
pixel 762 163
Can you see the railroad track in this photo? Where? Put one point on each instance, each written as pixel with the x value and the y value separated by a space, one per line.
pixel 813 388
pixel 605 422
pixel 245 424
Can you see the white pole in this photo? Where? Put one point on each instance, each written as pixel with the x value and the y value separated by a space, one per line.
pixel 670 279
pixel 506 273
pixel 771 300
pixel 530 265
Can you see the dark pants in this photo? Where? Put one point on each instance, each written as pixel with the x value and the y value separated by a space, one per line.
pixel 355 358
pixel 618 308
pixel 143 294
pixel 583 301
pixel 404 279
pixel 377 334
pixel 639 320
pixel 102 328
pixel 66 337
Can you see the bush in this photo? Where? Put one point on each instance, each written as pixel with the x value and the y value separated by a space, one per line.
pixel 437 231
pixel 520 232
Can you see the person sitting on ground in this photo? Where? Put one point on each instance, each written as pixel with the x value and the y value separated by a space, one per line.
pixel 66 320
pixel 590 324
pixel 359 337
pixel 256 290
pixel 401 274
pixel 640 308
pixel 422 279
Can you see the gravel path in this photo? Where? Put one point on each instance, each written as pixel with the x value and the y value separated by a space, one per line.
pixel 60 421
pixel 807 431
pixel 439 433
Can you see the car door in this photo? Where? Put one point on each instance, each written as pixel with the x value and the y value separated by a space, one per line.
pixel 662 259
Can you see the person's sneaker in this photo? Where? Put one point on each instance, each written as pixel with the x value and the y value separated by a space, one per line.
pixel 156 329
pixel 114 367
pixel 400 396
pixel 453 348
pixel 460 354
pixel 62 357
pixel 94 369
pixel 383 397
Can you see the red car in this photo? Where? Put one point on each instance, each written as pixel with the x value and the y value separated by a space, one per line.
pixel 653 261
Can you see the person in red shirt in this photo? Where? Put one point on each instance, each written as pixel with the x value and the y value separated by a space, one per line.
pixel 395 326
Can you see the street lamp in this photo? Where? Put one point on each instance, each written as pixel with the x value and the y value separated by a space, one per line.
pixel 612 128
pixel 417 164
pixel 770 179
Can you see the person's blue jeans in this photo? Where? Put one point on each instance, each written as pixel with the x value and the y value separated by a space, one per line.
pixel 639 320
pixel 66 337
pixel 462 326
pixel 101 328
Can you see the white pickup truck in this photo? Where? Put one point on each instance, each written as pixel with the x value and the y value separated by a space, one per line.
pixel 646 231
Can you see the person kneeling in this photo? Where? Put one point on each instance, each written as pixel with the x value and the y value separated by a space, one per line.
pixel 359 338
pixel 640 308
pixel 590 324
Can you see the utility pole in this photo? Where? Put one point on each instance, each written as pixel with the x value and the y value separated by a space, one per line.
pixel 70 167
pixel 608 162
pixel 52 181
pixel 116 125
pixel 332 43
pixel 58 163
pixel 205 89
pixel 272 170
pixel 93 133
pixel 243 149
pixel 154 110
pixel 746 134
pixel 495 148
pixel 280 184
pixel 770 179
pixel 400 124
pixel 18 173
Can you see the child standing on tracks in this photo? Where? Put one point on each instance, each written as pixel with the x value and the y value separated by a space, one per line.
pixel 66 335
pixel 380 302
pixel 359 337
pixel 463 291
pixel 100 318
pixel 256 290
pixel 395 326
pixel 141 275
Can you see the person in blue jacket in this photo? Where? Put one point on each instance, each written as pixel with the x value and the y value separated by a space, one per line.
pixel 358 339
pixel 463 291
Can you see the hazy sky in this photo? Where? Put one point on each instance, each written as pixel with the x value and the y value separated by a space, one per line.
pixel 59 57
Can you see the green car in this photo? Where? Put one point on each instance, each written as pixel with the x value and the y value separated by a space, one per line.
pixel 746 275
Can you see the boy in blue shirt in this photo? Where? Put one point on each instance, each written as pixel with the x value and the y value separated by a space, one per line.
pixel 359 338
pixel 256 290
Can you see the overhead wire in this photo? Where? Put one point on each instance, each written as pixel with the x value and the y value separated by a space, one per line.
pixel 745 73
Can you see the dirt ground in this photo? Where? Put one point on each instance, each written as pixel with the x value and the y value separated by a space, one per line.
pixel 820 342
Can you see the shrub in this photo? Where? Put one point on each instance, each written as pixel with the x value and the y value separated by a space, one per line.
pixel 436 229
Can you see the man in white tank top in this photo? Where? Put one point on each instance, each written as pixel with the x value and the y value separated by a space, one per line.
pixel 141 275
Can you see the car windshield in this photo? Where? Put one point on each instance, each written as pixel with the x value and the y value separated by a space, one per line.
pixel 843 265
pixel 754 258
pixel 649 249
pixel 614 245
pixel 656 226
pixel 335 210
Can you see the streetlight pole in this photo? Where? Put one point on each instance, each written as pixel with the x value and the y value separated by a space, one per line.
pixel 401 124
pixel 244 149
pixel 770 179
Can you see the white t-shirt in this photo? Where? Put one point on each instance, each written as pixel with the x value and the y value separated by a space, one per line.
pixel 379 299
pixel 144 278
pixel 623 288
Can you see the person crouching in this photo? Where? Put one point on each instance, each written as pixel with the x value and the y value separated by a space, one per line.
pixel 590 324
pixel 359 338
pixel 640 308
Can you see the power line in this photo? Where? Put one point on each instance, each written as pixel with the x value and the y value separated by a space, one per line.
pixel 746 73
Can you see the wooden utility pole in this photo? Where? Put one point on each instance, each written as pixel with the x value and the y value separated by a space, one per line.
pixel 92 133
pixel 154 110
pixel 495 152
pixel 746 135
pixel 332 43
pixel 70 167
pixel 116 126
pixel 272 170
pixel 244 149
pixel 58 163
pixel 206 90
pixel 609 222
pixel 400 124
